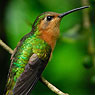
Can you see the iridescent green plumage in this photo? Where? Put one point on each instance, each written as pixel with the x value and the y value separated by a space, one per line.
pixel 29 45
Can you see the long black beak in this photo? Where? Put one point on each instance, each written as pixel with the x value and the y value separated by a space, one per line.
pixel 73 10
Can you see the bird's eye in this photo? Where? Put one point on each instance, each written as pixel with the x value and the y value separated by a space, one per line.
pixel 49 18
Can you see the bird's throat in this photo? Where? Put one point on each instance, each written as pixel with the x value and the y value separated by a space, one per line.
pixel 50 37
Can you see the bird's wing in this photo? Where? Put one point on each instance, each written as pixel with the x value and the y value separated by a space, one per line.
pixel 30 76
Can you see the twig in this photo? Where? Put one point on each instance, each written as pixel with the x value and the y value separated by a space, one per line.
pixel 6 47
pixel 52 87
pixel 87 25
pixel 42 79
pixel 86 21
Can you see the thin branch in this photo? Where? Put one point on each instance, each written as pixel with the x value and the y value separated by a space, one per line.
pixel 86 20
pixel 87 26
pixel 52 87
pixel 42 79
pixel 6 47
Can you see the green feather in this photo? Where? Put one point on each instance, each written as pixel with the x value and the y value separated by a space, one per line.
pixel 33 44
pixel 29 44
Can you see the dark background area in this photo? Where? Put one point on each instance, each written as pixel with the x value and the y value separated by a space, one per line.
pixel 72 67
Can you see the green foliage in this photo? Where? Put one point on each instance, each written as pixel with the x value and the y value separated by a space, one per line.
pixel 88 62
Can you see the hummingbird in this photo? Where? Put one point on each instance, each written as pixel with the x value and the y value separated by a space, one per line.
pixel 33 52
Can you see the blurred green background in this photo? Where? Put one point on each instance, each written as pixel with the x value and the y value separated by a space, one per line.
pixel 72 67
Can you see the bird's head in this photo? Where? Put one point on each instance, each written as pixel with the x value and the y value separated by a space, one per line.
pixel 48 25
